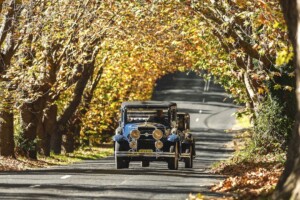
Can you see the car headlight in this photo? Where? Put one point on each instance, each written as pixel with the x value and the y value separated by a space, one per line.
pixel 157 134
pixel 133 144
pixel 135 134
pixel 159 144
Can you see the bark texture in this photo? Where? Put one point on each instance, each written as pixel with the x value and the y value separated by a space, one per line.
pixel 8 48
pixel 46 129
pixel 7 144
pixel 289 184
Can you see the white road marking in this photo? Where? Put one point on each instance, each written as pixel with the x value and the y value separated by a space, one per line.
pixel 65 177
pixel 34 186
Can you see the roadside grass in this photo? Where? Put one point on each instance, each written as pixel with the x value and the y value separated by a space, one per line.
pixel 243 122
pixel 88 153
pixel 22 163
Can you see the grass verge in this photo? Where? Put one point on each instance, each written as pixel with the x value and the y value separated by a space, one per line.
pixel 23 163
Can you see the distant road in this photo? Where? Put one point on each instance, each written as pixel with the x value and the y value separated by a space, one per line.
pixel 211 113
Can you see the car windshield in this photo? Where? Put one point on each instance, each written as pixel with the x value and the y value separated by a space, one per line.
pixel 147 115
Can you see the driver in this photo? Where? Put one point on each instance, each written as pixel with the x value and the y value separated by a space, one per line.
pixel 160 117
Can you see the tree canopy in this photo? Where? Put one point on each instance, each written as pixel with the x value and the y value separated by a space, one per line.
pixel 67 65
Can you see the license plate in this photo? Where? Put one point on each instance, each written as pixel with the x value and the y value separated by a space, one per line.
pixel 145 150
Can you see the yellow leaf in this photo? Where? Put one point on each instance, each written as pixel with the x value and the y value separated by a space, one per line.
pixel 289 88
pixel 261 90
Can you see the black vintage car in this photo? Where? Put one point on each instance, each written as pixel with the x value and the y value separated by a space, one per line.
pixel 187 141
pixel 147 132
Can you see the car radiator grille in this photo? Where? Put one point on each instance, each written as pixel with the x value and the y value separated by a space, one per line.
pixel 146 144
pixel 146 132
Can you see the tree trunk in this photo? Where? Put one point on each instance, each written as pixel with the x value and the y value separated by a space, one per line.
pixel 75 125
pixel 56 141
pixel 251 87
pixel 31 120
pixel 288 186
pixel 29 126
pixel 69 142
pixel 51 129
pixel 68 113
pixel 250 92
pixel 7 144
pixel 46 129
pixel 7 49
pixel 42 140
pixel 76 132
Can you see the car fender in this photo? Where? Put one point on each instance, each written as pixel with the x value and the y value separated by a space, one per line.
pixel 173 138
pixel 119 138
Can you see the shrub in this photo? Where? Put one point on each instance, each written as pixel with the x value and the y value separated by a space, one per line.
pixel 272 127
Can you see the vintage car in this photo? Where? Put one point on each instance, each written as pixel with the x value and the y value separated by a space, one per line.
pixel 147 132
pixel 187 142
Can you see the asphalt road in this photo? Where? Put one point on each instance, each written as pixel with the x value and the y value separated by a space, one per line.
pixel 211 113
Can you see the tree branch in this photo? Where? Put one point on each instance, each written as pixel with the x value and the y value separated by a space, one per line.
pixel 207 16
pixel 7 21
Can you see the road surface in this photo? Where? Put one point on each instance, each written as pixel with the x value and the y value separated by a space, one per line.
pixel 211 113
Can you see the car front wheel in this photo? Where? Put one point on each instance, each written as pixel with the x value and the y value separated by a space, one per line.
pixel 173 162
pixel 189 161
pixel 120 163
pixel 145 163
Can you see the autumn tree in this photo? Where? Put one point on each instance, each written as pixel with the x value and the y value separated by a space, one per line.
pixel 78 60
pixel 10 39
pixel 289 185
pixel 60 57
pixel 245 46
pixel 152 41
pixel 253 42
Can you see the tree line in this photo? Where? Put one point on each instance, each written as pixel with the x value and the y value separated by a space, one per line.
pixel 67 65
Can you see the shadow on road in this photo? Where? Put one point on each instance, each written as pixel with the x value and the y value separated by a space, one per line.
pixel 104 170
pixel 68 188
pixel 181 86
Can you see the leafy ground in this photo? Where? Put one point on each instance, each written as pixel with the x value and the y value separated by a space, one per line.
pixel 254 179
pixel 22 163
pixel 248 179
pixel 249 174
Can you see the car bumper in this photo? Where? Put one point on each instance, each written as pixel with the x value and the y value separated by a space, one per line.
pixel 145 154
pixel 185 155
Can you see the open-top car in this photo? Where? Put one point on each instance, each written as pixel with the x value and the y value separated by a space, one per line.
pixel 187 142
pixel 147 132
